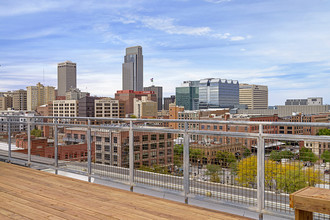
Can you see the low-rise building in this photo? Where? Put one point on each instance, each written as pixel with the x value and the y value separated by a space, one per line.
pixel 145 108
pixel 112 147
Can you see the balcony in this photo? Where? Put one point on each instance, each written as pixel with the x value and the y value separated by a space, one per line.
pixel 260 181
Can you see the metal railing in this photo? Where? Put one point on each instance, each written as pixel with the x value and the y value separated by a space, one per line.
pixel 224 184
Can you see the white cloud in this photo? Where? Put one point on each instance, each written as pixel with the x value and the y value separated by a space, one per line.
pixel 217 1
pixel 167 25
pixel 237 38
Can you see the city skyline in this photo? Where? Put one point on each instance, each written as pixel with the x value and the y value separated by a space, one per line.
pixel 281 44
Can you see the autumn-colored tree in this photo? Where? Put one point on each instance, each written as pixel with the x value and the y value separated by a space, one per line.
pixel 288 177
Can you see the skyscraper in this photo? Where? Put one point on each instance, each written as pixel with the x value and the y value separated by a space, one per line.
pixel 188 95
pixel 66 77
pixel 133 69
pixel 159 92
pixel 218 93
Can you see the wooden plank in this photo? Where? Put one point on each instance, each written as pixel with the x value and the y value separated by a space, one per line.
pixel 303 215
pixel 62 197
pixel 311 199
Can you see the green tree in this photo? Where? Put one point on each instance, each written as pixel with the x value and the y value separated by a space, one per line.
pixel 246 152
pixel 279 155
pixel 324 131
pixel 178 155
pixel 213 171
pixel 36 133
pixel 133 116
pixel 226 158
pixel 306 154
pixel 326 156
pixel 195 154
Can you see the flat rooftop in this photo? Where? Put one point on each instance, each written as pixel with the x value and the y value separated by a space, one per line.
pixel 28 193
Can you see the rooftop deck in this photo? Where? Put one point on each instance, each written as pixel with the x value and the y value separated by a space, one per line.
pixel 30 194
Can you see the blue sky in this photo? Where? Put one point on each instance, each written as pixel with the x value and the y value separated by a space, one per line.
pixel 284 44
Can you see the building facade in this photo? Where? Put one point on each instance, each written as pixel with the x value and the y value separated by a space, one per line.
pixel 254 96
pixel 145 108
pixel 65 108
pixel 111 147
pixel 187 95
pixel 132 78
pixel 66 77
pixel 218 93
pixel 75 94
pixel 110 108
pixel 168 101
pixel 87 106
pixel 39 95
pixel 20 100
pixel 127 96
pixel 159 93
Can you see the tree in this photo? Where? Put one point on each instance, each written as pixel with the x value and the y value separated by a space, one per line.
pixel 225 158
pixel 324 131
pixel 279 155
pixel 306 154
pixel 288 177
pixel 195 154
pixel 246 152
pixel 293 178
pixel 213 171
pixel 36 133
pixel 178 155
pixel 326 156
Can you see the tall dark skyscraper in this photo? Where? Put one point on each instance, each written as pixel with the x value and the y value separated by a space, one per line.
pixel 66 77
pixel 133 69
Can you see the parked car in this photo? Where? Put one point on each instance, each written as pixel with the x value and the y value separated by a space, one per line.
pixel 327 172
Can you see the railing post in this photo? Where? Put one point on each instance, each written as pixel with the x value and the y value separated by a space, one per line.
pixel 110 147
pixel 9 140
pixel 29 140
pixel 261 172
pixel 186 162
pixel 89 153
pixel 56 146
pixel 131 155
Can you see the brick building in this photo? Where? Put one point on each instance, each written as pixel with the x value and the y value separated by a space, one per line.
pixel 40 147
pixel 112 148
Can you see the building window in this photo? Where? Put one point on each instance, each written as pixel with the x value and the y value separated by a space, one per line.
pixel 145 155
pixel 153 146
pixel 115 140
pixel 215 127
pixel 98 156
pixel 161 136
pixel 107 139
pixel 98 147
pixel 98 138
pixel 115 149
pixel 107 156
pixel 153 137
pixel 145 138
pixel 145 147
pixel 107 148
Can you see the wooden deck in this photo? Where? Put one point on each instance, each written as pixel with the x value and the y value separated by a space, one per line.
pixel 30 194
